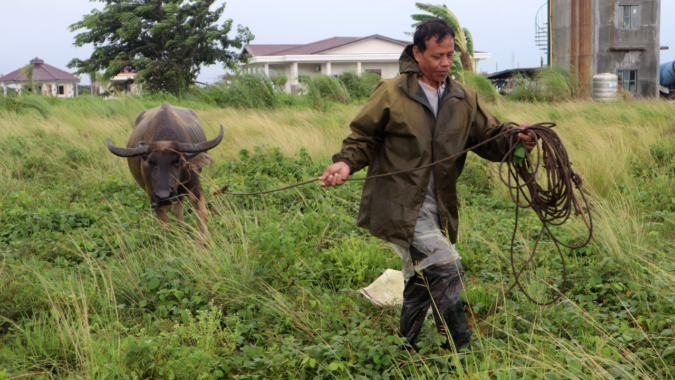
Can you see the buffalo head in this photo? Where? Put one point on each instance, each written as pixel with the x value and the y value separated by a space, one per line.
pixel 163 164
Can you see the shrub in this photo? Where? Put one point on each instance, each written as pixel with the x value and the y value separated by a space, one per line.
pixel 327 87
pixel 551 84
pixel 558 83
pixel 279 81
pixel 249 91
pixel 481 84
pixel 359 86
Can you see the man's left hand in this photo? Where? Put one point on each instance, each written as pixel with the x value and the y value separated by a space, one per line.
pixel 529 139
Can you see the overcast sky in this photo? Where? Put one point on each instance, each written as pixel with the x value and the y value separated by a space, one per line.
pixel 504 28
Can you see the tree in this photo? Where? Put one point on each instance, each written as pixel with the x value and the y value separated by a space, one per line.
pixel 27 72
pixel 165 41
pixel 463 38
pixel 95 77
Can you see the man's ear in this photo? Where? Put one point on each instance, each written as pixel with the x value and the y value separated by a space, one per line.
pixel 417 53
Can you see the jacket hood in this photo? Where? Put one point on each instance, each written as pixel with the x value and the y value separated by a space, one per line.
pixel 407 62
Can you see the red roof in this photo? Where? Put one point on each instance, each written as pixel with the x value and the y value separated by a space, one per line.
pixel 311 48
pixel 42 72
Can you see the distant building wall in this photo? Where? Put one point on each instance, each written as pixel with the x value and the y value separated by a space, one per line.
pixel 373 46
pixel 594 36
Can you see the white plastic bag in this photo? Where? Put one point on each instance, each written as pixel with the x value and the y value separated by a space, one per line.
pixel 387 290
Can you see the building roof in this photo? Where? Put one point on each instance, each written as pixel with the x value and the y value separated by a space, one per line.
pixel 311 48
pixel 506 74
pixel 42 72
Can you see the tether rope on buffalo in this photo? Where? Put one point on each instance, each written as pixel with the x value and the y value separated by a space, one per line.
pixel 553 204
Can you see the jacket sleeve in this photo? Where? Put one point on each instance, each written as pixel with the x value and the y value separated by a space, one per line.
pixel 360 147
pixel 483 127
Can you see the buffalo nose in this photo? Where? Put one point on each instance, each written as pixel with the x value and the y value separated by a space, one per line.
pixel 162 194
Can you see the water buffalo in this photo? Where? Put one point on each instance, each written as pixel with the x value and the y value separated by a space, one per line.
pixel 164 139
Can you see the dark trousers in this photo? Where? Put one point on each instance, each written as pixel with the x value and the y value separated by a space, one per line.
pixel 439 286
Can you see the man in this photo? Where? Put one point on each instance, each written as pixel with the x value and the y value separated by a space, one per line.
pixel 410 121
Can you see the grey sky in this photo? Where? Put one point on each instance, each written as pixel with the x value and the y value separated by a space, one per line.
pixel 32 28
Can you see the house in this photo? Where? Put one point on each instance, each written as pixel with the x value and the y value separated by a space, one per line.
pixel 504 81
pixel 121 83
pixel 333 56
pixel 46 78
pixel 621 37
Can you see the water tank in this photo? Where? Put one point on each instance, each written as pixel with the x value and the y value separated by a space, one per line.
pixel 667 74
pixel 605 87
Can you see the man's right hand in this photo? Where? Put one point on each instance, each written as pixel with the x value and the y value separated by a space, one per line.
pixel 335 175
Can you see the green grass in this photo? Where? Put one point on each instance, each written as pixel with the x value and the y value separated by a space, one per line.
pixel 91 286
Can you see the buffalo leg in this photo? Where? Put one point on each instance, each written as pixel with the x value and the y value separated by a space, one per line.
pixel 202 215
pixel 163 218
pixel 178 212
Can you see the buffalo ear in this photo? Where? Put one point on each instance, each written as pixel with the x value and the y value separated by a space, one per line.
pixel 199 160
pixel 144 157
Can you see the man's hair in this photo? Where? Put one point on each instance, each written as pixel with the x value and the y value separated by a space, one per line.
pixel 438 28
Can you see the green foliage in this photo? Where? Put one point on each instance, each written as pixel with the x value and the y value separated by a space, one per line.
pixel 485 89
pixel 323 88
pixel 279 81
pixel 359 86
pixel 26 103
pixel 27 72
pixel 558 83
pixel 463 38
pixel 166 41
pixel 246 91
pixel 549 85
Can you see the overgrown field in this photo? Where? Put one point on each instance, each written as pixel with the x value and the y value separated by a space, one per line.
pixel 92 287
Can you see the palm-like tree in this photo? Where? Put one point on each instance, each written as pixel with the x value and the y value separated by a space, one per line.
pixel 463 38
pixel 27 72
pixel 94 77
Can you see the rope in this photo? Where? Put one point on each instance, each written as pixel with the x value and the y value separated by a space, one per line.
pixel 506 132
pixel 552 204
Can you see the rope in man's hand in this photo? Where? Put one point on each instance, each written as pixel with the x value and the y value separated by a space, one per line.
pixel 553 204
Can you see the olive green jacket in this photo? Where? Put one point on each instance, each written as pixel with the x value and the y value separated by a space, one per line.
pixel 396 130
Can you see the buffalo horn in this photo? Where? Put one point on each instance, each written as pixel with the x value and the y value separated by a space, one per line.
pixel 202 146
pixel 126 152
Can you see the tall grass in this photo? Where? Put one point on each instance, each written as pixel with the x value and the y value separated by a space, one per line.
pixel 550 84
pixel 111 298
pixel 481 84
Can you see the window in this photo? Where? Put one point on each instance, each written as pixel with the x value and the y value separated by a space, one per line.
pixel 375 71
pixel 60 90
pixel 628 79
pixel 628 16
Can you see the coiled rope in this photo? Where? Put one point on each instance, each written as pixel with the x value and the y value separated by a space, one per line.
pixel 553 203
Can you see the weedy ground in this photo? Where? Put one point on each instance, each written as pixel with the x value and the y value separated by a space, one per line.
pixel 92 287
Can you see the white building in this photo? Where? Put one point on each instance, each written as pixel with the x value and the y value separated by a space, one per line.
pixel 333 56
pixel 124 83
pixel 47 79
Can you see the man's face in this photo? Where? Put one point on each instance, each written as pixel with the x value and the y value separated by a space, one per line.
pixel 436 60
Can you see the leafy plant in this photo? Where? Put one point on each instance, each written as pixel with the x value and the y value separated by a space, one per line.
pixel 359 86
pixel 463 38
pixel 481 84
pixel 165 41
pixel 279 81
